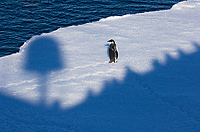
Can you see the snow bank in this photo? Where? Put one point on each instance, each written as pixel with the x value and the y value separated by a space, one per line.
pixel 67 64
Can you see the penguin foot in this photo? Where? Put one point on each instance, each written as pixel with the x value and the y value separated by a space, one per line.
pixel 112 61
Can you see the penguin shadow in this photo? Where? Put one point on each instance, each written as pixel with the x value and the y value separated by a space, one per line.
pixel 42 57
pixel 107 46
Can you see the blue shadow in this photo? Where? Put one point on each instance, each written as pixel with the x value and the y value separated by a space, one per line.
pixel 107 45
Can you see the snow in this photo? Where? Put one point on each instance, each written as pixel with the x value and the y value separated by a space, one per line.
pixel 62 81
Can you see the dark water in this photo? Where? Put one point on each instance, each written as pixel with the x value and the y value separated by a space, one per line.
pixel 22 19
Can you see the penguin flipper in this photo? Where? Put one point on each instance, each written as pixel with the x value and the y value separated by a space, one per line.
pixel 116 54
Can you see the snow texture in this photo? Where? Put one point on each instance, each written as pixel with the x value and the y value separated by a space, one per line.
pixel 62 81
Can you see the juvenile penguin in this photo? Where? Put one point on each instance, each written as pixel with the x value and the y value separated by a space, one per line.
pixel 113 51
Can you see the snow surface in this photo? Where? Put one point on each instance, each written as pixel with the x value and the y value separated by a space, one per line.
pixel 62 81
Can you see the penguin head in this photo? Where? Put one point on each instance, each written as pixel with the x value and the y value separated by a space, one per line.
pixel 111 40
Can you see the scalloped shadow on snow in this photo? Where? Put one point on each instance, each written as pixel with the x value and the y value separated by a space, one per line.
pixel 166 99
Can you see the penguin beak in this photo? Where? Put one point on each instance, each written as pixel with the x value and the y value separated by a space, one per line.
pixel 111 40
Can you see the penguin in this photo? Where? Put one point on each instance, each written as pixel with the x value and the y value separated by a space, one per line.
pixel 113 51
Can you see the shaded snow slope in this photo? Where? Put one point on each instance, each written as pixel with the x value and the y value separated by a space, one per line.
pixel 154 86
